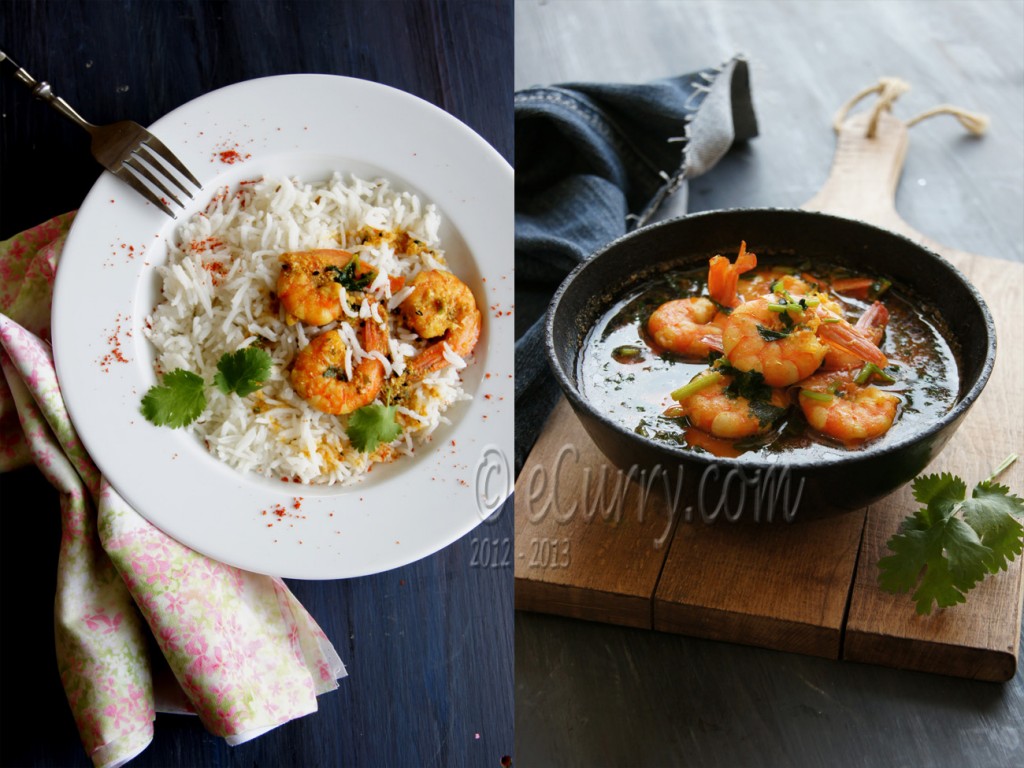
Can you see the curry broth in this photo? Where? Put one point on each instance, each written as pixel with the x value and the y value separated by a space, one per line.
pixel 621 375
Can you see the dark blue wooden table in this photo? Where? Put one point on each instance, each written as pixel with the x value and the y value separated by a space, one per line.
pixel 428 646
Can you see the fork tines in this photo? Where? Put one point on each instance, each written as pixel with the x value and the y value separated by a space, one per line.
pixel 150 151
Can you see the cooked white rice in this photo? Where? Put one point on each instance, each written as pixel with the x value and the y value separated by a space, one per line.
pixel 219 296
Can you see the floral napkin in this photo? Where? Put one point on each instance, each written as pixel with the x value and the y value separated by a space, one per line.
pixel 132 602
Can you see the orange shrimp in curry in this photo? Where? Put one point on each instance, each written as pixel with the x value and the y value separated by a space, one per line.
pixel 308 286
pixel 442 308
pixel 692 327
pixel 319 373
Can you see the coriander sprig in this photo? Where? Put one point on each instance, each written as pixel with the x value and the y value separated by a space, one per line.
pixel 178 402
pixel 372 425
pixel 242 371
pixel 948 546
pixel 181 398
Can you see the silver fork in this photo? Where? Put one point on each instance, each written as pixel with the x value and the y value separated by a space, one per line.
pixel 126 149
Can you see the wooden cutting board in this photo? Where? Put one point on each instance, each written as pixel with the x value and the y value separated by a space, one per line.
pixel 594 544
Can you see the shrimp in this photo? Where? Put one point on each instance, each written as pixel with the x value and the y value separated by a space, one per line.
pixel 723 276
pixel 786 339
pixel 756 338
pixel 308 286
pixel 400 242
pixel 837 406
pixel 318 375
pixel 687 327
pixel 760 282
pixel 871 325
pixel 693 327
pixel 440 307
pixel 710 406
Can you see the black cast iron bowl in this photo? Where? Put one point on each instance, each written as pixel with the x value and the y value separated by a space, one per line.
pixel 752 487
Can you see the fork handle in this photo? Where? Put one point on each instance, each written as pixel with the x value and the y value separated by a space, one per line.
pixel 42 91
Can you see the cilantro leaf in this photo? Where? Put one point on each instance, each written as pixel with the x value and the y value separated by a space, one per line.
pixel 770 335
pixel 766 413
pixel 940 494
pixel 948 546
pixel 748 384
pixel 347 276
pixel 178 402
pixel 990 512
pixel 371 425
pixel 242 371
pixel 944 561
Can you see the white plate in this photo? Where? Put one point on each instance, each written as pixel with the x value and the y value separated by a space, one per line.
pixel 306 126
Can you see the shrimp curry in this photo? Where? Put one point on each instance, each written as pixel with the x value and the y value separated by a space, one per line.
pixel 740 357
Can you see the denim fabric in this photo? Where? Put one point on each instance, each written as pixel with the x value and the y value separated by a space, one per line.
pixel 592 162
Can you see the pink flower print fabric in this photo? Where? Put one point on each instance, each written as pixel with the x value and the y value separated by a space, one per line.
pixel 28 262
pixel 245 653
pixel 260 665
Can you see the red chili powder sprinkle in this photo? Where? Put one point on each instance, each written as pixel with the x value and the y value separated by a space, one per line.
pixel 116 354
pixel 280 512
pixel 204 244
pixel 217 271
pixel 231 156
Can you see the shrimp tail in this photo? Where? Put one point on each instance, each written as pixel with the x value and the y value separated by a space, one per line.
pixel 849 339
pixel 714 341
pixel 459 340
pixel 723 276
pixel 429 360
pixel 874 319
pixel 375 338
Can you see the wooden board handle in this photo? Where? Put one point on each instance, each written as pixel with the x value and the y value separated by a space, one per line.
pixel 864 176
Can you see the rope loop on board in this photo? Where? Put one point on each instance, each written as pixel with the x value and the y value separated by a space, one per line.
pixel 889 89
